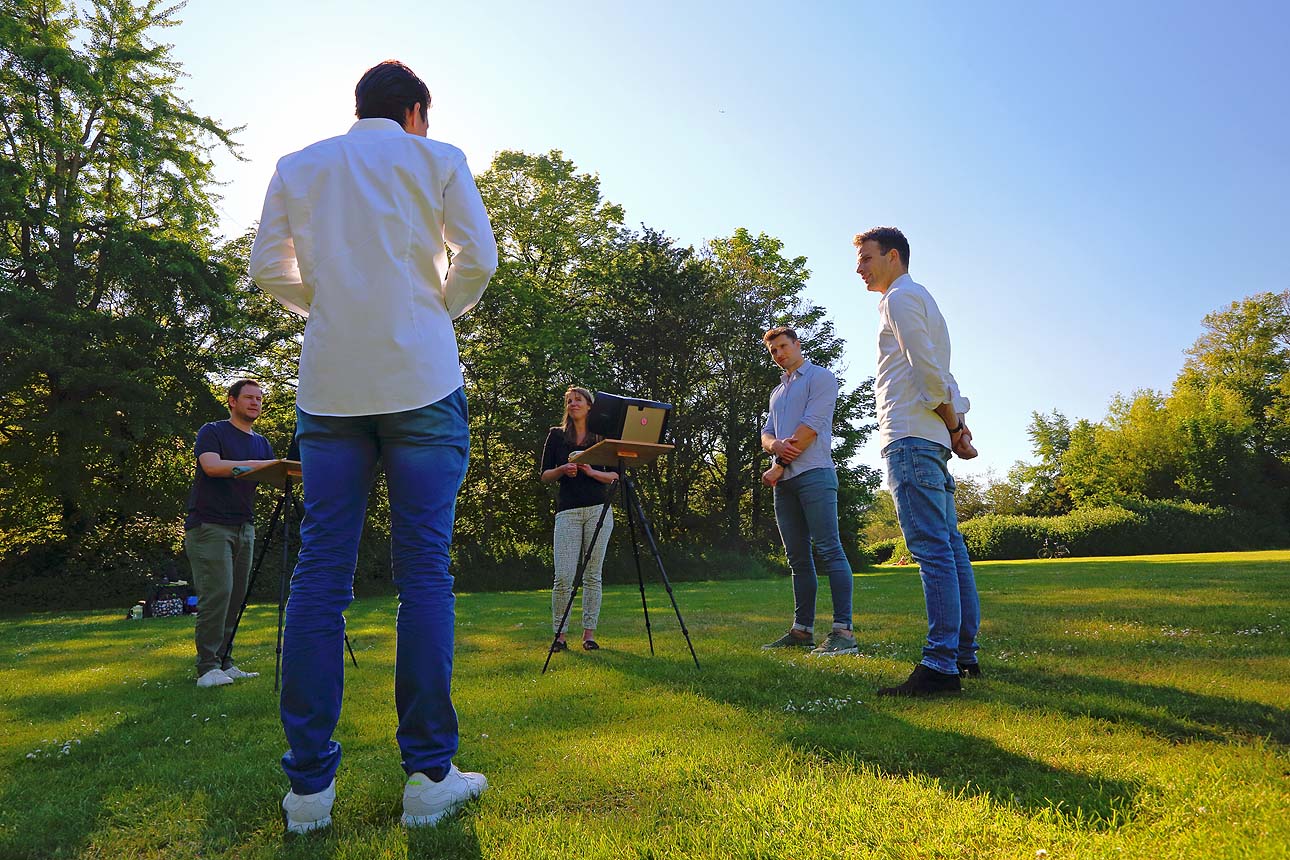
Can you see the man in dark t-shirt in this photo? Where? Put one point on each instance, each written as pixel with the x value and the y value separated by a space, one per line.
pixel 219 530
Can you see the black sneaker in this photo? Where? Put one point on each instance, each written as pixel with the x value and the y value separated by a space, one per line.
pixel 969 670
pixel 559 645
pixel 925 682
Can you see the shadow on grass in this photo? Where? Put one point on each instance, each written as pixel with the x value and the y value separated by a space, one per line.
pixel 123 792
pixel 455 838
pixel 1166 712
pixel 962 763
pixel 159 766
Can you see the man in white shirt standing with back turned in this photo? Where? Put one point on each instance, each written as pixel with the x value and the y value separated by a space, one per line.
pixel 353 236
pixel 920 421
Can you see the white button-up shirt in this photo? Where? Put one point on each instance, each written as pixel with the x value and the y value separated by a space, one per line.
pixel 352 237
pixel 913 366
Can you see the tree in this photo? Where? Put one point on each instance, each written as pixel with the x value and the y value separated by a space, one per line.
pixel 529 338
pixel 1245 350
pixel 970 498
pixel 116 308
pixel 881 522
pixel 1231 403
pixel 655 338
pixel 1044 491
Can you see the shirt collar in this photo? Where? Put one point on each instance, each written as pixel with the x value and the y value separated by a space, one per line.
pixel 376 125
pixel 899 282
pixel 796 374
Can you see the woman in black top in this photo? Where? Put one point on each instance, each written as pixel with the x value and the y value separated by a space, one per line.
pixel 582 494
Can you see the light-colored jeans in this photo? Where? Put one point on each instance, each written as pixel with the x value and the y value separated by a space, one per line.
pixel 573 531
pixel 923 489
pixel 220 557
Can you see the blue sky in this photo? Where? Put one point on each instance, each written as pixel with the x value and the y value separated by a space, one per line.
pixel 1080 184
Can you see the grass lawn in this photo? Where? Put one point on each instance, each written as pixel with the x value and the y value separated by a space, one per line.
pixel 1132 707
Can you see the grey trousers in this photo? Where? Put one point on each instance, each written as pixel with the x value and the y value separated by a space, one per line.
pixel 221 560
pixel 573 530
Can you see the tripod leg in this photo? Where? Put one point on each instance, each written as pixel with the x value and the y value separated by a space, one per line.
pixel 577 577
pixel 300 518
pixel 255 574
pixel 284 580
pixel 636 554
pixel 634 496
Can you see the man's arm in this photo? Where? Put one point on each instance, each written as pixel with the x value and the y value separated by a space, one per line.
pixel 216 466
pixel 274 266
pixel 817 417
pixel 474 249
pixel 940 391
pixel 820 401
pixel 960 435
pixel 909 324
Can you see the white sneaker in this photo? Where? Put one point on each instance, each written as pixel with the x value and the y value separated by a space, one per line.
pixel 425 802
pixel 237 674
pixel 214 678
pixel 306 812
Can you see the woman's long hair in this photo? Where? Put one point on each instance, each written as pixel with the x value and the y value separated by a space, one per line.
pixel 571 432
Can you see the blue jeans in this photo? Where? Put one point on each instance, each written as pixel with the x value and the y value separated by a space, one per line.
pixel 424 452
pixel 806 509
pixel 924 493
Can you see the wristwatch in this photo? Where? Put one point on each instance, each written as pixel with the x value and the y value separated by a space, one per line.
pixel 958 429
pixel 780 461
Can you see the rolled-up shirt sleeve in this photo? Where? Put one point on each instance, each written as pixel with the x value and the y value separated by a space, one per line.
pixel 909 324
pixel 821 398
pixel 960 403
pixel 274 266
pixel 474 249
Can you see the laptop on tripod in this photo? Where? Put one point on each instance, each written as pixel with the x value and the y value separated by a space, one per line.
pixel 628 419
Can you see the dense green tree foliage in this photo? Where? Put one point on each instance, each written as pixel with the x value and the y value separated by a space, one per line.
pixel 116 307
pixel 122 317
pixel 1220 437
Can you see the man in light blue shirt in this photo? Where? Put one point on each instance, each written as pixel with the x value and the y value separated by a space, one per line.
pixel 798 433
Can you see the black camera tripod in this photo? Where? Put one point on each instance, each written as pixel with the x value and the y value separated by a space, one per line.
pixel 287 504
pixel 635 513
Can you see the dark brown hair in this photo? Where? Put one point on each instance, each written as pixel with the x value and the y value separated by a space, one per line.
pixel 235 390
pixel 887 238
pixel 389 90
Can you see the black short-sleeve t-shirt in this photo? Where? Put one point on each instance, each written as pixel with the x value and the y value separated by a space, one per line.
pixel 580 491
pixel 224 501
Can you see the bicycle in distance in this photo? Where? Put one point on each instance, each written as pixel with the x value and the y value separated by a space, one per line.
pixel 1054 550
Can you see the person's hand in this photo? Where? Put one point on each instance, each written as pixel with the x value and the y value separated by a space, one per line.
pixel 787 448
pixel 596 474
pixel 568 470
pixel 961 443
pixel 771 476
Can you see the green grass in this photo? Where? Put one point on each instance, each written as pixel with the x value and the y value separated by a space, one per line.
pixel 1133 707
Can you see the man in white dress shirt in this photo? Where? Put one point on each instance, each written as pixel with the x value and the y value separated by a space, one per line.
pixel 353 237
pixel 920 421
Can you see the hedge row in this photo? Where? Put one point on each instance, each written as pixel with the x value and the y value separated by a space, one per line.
pixel 1132 528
